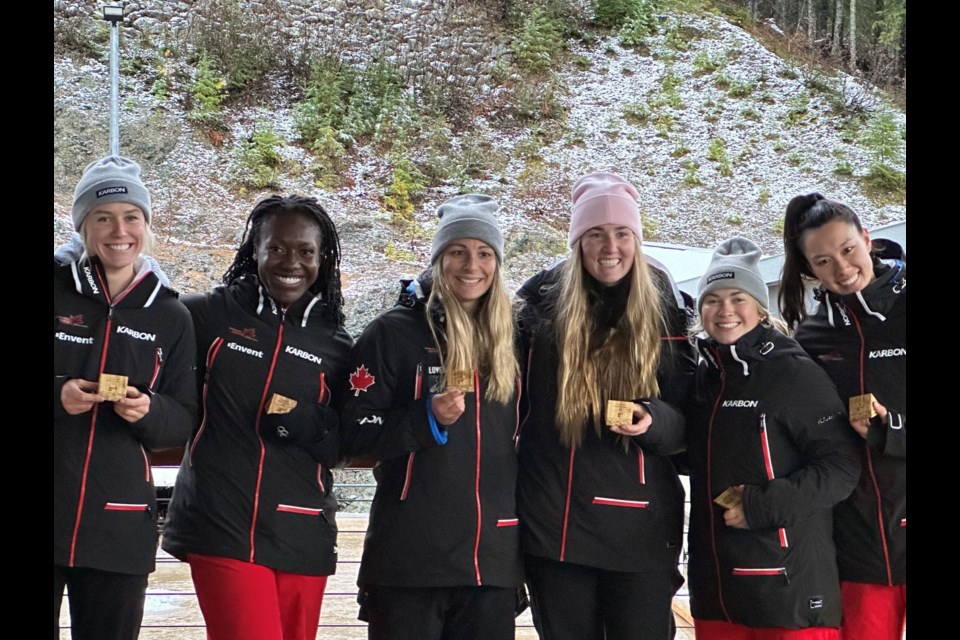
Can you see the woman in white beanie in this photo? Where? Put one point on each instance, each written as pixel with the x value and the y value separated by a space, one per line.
pixel 770 454
pixel 123 385
pixel 600 502
pixel 434 400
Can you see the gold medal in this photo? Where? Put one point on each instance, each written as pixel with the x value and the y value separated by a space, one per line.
pixel 112 387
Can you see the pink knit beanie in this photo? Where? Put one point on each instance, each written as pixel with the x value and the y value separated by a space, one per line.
pixel 603 198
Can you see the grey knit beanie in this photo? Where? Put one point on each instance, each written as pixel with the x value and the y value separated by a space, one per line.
pixel 735 265
pixel 469 216
pixel 110 179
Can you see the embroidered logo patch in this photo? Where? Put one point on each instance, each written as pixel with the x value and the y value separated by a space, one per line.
pixel 110 191
pixel 74 320
pixel 249 334
pixel 723 275
pixel 816 602
pixel 361 380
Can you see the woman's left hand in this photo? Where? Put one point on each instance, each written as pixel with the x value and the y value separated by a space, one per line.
pixel 133 407
pixel 734 516
pixel 641 422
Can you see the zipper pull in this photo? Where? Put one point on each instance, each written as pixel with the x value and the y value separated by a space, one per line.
pixel 786 578
pixel 159 355
pixel 763 422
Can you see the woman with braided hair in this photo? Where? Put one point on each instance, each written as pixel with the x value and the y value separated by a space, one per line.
pixel 253 511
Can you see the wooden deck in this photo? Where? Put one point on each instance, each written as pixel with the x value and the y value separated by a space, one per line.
pixel 172 613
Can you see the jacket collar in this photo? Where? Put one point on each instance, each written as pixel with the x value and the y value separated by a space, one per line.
pixel 875 300
pixel 90 281
pixel 301 312
pixel 759 344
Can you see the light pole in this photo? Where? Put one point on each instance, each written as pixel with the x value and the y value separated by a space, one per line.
pixel 113 13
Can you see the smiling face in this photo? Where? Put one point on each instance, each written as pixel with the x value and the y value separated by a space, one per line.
pixel 729 314
pixel 288 255
pixel 469 267
pixel 608 252
pixel 839 256
pixel 115 233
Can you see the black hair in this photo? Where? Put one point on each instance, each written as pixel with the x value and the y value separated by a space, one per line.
pixel 806 212
pixel 327 284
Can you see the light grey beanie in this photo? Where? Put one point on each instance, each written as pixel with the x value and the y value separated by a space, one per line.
pixel 110 179
pixel 469 216
pixel 735 265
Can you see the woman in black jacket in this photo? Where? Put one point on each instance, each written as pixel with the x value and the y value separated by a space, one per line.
pixel 253 510
pixel 770 454
pixel 434 400
pixel 858 335
pixel 123 385
pixel 599 499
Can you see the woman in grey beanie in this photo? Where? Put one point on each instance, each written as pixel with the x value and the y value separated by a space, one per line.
pixel 769 456
pixel 435 392
pixel 124 384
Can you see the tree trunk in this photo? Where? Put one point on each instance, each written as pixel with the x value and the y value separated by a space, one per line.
pixel 853 35
pixel 811 22
pixel 837 30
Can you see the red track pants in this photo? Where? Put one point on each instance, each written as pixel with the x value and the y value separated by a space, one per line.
pixel 873 611
pixel 245 601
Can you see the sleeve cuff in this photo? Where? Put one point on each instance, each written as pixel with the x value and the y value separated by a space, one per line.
pixel 439 433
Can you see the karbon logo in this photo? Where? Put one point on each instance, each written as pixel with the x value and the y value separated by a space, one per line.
pixel 888 353
pixel 139 335
pixel 741 404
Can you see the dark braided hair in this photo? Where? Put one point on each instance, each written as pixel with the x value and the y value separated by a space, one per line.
pixel 327 284
pixel 805 212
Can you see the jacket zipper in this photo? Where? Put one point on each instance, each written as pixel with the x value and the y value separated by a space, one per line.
pixel 93 428
pixel 256 428
pixel 417 389
pixel 211 356
pixel 566 507
pixel 768 466
pixel 710 510
pixel 873 476
pixel 618 502
pixel 771 571
pixel 157 361
pixel 476 486
pixel 640 467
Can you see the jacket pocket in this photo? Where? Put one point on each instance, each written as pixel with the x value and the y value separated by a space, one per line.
pixel 618 502
pixel 304 511
pixel 407 476
pixel 125 506
pixel 508 522
pixel 157 363
pixel 323 397
pixel 768 467
pixel 211 356
pixel 762 572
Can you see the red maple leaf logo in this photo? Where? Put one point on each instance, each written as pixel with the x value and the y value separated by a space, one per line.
pixel 361 380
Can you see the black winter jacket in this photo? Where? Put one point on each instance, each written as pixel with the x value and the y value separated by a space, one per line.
pixel 767 417
pixel 861 342
pixel 104 501
pixel 252 486
pixel 599 505
pixel 444 514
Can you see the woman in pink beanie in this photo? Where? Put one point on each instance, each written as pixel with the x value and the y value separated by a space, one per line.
pixel 599 499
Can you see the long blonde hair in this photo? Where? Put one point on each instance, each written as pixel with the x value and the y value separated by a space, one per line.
pixel 621 365
pixel 482 341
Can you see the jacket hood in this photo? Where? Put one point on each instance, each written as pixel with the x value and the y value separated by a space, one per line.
pixel 759 344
